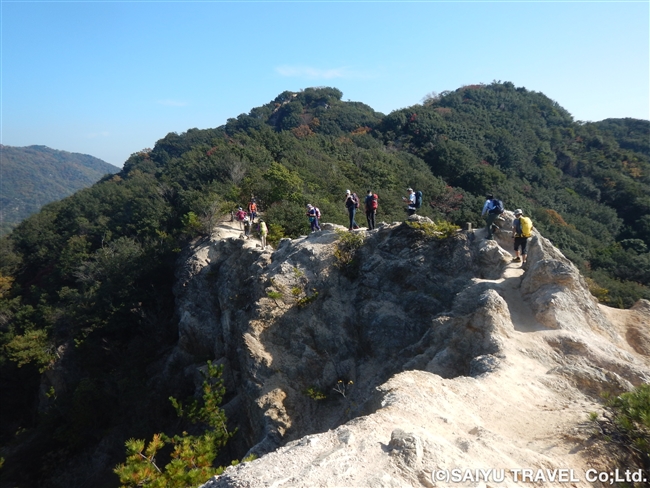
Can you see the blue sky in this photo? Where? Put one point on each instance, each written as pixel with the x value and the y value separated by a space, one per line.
pixel 111 78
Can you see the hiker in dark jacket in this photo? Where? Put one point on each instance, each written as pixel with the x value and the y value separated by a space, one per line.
pixel 313 214
pixel 371 209
pixel 351 203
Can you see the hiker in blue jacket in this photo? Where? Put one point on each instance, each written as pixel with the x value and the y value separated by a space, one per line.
pixel 492 208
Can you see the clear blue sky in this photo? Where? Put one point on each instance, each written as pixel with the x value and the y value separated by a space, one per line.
pixel 111 78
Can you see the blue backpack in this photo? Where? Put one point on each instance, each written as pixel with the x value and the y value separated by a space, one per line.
pixel 497 207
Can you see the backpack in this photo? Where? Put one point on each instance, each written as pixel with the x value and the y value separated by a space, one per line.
pixel 372 201
pixel 497 207
pixel 526 226
pixel 317 212
pixel 418 199
pixel 355 199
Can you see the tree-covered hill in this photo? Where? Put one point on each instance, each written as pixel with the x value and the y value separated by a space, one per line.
pixel 35 175
pixel 86 283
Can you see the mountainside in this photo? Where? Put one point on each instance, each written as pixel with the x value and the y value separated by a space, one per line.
pixel 35 175
pixel 111 299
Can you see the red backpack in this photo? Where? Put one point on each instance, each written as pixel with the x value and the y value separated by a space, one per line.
pixel 374 202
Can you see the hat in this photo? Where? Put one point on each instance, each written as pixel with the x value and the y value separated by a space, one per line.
pixel 489 196
pixel 239 208
pixel 347 191
pixel 409 189
pixel 518 212
pixel 261 220
pixel 309 205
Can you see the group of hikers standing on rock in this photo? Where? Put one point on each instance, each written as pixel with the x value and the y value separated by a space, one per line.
pixel 246 221
pixel 371 202
pixel 492 210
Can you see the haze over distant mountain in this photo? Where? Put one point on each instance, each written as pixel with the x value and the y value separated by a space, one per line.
pixel 35 175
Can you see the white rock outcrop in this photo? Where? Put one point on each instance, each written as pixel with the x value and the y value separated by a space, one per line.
pixel 419 356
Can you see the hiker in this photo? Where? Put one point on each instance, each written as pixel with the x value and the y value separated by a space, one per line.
pixel 410 202
pixel 240 217
pixel 314 215
pixel 351 203
pixel 264 231
pixel 522 228
pixel 371 208
pixel 252 210
pixel 492 208
pixel 247 227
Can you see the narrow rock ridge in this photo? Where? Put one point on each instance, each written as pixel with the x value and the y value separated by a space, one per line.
pixel 420 353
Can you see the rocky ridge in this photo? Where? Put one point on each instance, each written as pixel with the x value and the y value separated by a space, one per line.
pixel 421 354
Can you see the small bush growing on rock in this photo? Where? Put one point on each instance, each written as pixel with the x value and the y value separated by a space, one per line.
pixel 275 296
pixel 315 394
pixel 346 250
pixel 307 299
pixel 626 425
pixel 440 230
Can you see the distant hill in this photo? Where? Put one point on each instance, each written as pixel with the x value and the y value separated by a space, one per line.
pixel 35 175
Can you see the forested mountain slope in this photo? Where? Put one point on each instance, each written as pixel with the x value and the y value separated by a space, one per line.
pixel 87 282
pixel 35 175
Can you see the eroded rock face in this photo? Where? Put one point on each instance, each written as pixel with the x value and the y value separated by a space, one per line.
pixel 310 344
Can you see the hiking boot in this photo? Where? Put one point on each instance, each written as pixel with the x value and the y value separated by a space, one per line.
pixel 516 260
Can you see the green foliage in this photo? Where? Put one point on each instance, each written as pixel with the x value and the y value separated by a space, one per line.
pixel 346 252
pixel 276 232
pixel 274 295
pixel 31 347
pixel 315 394
pixel 286 219
pixel 307 299
pixel 440 230
pixel 625 424
pixel 191 224
pixel 192 456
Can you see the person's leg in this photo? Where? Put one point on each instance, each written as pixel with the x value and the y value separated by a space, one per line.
pixel 517 245
pixel 372 219
pixel 489 219
pixel 354 222
pixel 317 224
pixel 524 251
pixel 351 215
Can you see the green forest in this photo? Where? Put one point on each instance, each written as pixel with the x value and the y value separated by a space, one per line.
pixel 86 283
